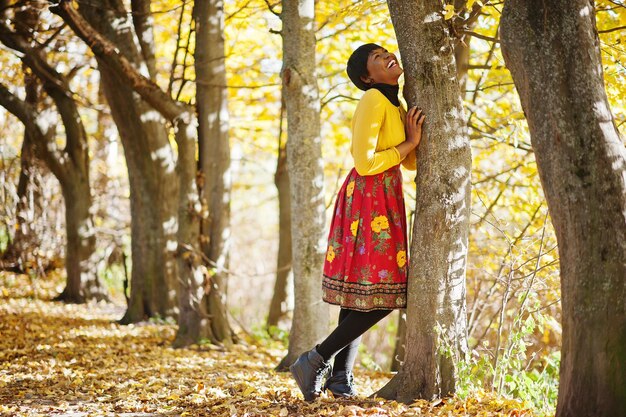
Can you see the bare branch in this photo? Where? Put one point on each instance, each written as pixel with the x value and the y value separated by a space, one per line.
pixel 108 52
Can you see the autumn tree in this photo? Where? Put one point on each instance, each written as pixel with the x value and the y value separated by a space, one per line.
pixel 194 322
pixel 69 165
pixel 21 250
pixel 214 157
pixel 436 293
pixel 305 168
pixel 150 158
pixel 553 52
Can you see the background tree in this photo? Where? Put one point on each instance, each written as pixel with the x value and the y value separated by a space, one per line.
pixel 305 167
pixel 70 166
pixel 194 322
pixel 21 250
pixel 279 302
pixel 149 158
pixel 214 157
pixel 436 293
pixel 553 52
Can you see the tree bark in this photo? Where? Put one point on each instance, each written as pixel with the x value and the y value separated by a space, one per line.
pixel 436 292
pixel 214 155
pixel 553 52
pixel 306 175
pixel 151 166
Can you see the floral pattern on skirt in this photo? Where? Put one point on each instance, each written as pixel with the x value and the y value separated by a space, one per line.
pixel 366 260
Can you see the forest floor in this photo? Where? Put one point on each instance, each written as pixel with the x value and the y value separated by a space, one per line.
pixel 75 360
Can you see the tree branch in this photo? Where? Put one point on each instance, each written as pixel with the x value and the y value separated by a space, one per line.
pixel 41 132
pixel 612 29
pixel 109 54
pixel 271 8
pixel 479 36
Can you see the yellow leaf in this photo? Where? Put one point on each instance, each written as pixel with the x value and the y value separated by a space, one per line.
pixel 248 391
pixel 448 11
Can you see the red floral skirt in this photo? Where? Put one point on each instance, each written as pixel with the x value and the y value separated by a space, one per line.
pixel 366 260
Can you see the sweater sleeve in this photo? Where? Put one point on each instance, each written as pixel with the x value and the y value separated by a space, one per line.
pixel 368 119
pixel 410 160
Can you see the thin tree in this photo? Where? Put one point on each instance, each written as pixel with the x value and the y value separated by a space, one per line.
pixel 553 52
pixel 306 176
pixel 278 304
pixel 436 293
pixel 214 155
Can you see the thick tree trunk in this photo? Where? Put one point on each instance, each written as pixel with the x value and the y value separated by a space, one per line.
pixel 306 175
pixel 278 305
pixel 214 153
pixel 553 52
pixel 151 171
pixel 82 281
pixel 436 293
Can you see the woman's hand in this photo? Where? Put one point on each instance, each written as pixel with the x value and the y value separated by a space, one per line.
pixel 413 125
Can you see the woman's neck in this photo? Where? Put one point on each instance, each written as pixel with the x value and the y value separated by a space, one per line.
pixel 390 91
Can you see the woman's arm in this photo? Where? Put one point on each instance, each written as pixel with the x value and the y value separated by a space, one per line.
pixel 368 119
pixel 413 127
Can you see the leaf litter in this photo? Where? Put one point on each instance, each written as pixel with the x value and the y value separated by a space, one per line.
pixel 75 360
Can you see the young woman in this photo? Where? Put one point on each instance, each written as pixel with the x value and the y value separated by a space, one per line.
pixel 365 271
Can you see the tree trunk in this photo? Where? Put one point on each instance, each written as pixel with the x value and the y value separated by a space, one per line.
pixel 306 175
pixel 70 166
pixel 214 154
pixel 553 52
pixel 462 46
pixel 21 252
pixel 194 323
pixel 399 349
pixel 82 281
pixel 436 292
pixel 278 305
pixel 182 117
pixel 151 162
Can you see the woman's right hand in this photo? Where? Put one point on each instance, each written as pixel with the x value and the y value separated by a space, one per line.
pixel 413 125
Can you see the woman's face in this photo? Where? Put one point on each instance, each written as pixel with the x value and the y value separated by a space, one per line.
pixel 382 67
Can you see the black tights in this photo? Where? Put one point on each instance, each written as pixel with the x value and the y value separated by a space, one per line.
pixel 344 340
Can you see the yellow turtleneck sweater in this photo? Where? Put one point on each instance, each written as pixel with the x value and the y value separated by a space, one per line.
pixel 377 128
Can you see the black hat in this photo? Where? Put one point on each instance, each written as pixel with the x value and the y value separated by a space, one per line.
pixel 357 64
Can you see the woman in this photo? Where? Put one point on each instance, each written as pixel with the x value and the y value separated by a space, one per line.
pixel 365 271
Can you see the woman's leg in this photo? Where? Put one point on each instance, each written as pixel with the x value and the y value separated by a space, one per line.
pixel 344 360
pixel 312 366
pixel 348 330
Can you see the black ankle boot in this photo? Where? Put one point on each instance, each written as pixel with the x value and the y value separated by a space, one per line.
pixel 340 384
pixel 309 370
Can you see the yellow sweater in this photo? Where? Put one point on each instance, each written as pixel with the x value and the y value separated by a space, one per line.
pixel 377 128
